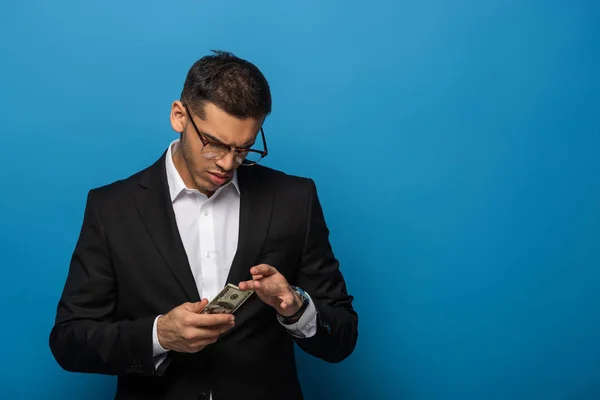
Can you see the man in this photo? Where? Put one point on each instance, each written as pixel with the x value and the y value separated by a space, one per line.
pixel 156 247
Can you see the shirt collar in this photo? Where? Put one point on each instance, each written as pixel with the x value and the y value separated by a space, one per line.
pixel 175 182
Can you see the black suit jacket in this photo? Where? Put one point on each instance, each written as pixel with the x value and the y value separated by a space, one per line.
pixel 129 265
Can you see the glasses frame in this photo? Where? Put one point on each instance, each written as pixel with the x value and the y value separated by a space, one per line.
pixel 205 142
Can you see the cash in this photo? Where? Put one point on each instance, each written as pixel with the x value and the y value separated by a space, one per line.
pixel 227 301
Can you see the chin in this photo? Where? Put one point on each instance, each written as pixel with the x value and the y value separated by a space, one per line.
pixel 205 185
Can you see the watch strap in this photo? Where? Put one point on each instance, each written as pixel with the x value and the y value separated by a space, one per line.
pixel 298 314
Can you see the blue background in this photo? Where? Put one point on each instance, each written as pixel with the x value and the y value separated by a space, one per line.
pixel 454 144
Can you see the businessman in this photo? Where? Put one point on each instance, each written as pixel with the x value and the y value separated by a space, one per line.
pixel 156 247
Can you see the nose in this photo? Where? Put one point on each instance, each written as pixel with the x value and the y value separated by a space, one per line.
pixel 227 163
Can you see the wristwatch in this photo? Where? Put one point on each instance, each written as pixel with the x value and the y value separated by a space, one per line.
pixel 305 300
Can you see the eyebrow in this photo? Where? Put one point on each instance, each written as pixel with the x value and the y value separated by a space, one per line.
pixel 214 139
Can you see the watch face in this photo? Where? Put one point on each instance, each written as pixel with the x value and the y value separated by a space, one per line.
pixel 301 294
pixel 302 297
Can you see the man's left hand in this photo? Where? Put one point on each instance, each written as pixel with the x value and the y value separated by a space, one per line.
pixel 273 289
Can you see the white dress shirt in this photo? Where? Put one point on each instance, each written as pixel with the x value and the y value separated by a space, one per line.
pixel 209 231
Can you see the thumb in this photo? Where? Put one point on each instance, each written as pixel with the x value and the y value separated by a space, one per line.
pixel 198 306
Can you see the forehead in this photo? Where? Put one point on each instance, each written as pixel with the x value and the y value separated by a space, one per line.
pixel 227 128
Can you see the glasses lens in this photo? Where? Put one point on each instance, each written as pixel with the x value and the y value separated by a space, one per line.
pixel 215 151
pixel 253 157
pixel 212 151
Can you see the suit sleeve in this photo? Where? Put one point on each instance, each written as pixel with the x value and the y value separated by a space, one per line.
pixel 319 275
pixel 86 336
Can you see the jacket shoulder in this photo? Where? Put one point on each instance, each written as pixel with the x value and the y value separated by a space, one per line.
pixel 275 176
pixel 118 189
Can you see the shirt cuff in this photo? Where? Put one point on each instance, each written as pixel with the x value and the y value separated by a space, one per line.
pixel 158 352
pixel 306 326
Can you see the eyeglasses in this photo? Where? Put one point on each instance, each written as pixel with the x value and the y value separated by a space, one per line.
pixel 215 151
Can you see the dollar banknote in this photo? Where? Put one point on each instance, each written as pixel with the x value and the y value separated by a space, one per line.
pixel 227 301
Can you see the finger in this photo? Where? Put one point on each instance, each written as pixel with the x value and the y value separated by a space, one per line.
pixel 263 269
pixel 249 285
pixel 257 277
pixel 263 287
pixel 214 331
pixel 246 285
pixel 195 307
pixel 287 300
pixel 225 327
pixel 269 289
pixel 285 304
pixel 213 320
pixel 252 285
pixel 207 339
pixel 196 335
pixel 209 320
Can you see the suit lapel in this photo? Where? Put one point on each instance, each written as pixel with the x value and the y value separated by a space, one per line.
pixel 156 211
pixel 256 204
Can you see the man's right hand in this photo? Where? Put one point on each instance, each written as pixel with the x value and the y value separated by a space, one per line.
pixel 184 330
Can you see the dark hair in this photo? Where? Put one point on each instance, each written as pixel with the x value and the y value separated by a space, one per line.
pixel 234 85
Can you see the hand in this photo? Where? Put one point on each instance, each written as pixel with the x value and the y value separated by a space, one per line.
pixel 273 289
pixel 184 330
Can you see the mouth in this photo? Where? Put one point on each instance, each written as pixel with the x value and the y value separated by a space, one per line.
pixel 218 179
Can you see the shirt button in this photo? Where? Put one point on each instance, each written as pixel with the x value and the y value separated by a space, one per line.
pixel 205 212
pixel 207 254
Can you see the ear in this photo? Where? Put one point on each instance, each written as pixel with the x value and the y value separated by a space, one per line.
pixel 178 116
